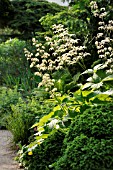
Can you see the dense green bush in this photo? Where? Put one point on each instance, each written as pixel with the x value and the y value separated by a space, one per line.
pixel 14 68
pixel 12 60
pixel 26 112
pixel 7 98
pixel 44 154
pixel 89 142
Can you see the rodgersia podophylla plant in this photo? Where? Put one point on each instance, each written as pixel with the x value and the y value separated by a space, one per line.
pixel 59 52
pixel 104 40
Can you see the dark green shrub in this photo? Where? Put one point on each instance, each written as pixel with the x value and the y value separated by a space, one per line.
pixel 45 153
pixel 26 15
pixel 89 142
pixel 5 12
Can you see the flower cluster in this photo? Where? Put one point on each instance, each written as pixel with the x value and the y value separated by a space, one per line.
pixel 94 8
pixel 59 52
pixel 104 42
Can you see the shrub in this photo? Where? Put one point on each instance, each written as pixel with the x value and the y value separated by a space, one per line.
pixel 12 60
pixel 14 68
pixel 7 98
pixel 89 142
pixel 44 154
pixel 26 112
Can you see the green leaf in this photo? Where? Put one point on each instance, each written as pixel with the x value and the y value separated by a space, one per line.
pixel 69 86
pixel 43 136
pixel 97 85
pixel 96 78
pixel 92 94
pixel 76 77
pixel 109 92
pixel 72 113
pixel 101 98
pixel 90 79
pixel 65 100
pixel 97 67
pixel 85 86
pixel 59 84
pixel 109 78
pixel 59 113
pixel 101 73
pixel 62 99
pixel 45 118
pixel 89 71
pixel 56 108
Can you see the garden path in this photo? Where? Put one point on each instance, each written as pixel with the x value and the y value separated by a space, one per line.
pixel 6 153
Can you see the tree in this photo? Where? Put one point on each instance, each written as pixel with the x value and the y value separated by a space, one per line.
pixel 24 15
pixel 6 9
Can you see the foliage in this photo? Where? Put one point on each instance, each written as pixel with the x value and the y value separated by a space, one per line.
pixel 7 98
pixel 83 20
pixel 26 112
pixel 100 79
pixel 76 19
pixel 57 56
pixel 66 109
pixel 12 60
pixel 24 15
pixel 60 54
pixel 14 68
pixel 89 142
pixel 5 34
pixel 45 154
pixel 18 123
pixel 5 10
pixel 74 87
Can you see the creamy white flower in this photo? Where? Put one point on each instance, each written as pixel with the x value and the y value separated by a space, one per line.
pixel 110 48
pixel 99 35
pixel 38 74
pixel 101 23
pixel 32 64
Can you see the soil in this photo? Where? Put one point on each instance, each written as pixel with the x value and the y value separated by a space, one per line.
pixel 7 154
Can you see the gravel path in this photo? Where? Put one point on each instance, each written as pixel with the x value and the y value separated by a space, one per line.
pixel 6 154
